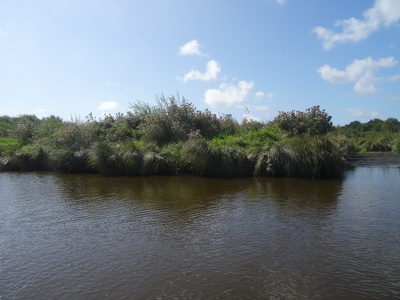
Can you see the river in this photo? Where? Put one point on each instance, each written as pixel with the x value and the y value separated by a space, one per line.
pixel 65 236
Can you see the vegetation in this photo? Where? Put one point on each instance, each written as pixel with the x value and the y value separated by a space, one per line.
pixel 374 136
pixel 173 137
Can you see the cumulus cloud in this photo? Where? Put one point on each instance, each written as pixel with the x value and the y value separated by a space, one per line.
pixel 108 105
pixel 228 95
pixel 384 13
pixel 262 107
pixel 360 72
pixel 259 95
pixel 360 113
pixel 190 48
pixel 262 96
pixel 212 70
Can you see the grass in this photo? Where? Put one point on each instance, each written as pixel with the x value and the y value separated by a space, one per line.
pixel 8 145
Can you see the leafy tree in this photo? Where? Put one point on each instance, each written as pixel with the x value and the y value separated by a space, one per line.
pixel 392 125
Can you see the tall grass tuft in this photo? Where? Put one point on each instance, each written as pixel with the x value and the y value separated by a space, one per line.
pixel 314 157
pixel 396 146
pixel 153 164
pixel 115 159
pixel 31 158
pixel 204 158
pixel 68 161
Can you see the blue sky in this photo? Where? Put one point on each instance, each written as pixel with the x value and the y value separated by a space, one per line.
pixel 248 58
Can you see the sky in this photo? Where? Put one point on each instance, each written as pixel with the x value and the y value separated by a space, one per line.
pixel 248 58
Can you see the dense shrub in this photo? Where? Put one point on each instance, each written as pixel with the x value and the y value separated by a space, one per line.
pixel 7 125
pixel 25 129
pixel 174 119
pixel 313 122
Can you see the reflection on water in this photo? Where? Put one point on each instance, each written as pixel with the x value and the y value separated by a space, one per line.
pixel 91 237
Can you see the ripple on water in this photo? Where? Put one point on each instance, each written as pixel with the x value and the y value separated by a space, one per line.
pixel 90 237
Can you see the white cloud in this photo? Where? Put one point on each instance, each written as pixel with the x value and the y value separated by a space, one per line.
pixel 190 48
pixel 281 2
pixel 259 95
pixel 384 13
pixel 268 97
pixel 262 107
pixel 228 95
pixel 109 105
pixel 211 73
pixel 361 72
pixel 360 113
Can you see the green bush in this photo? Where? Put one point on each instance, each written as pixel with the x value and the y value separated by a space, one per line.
pixel 296 123
pixel 8 146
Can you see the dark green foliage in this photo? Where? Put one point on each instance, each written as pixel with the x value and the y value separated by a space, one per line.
pixel 112 129
pixel 26 159
pixel 114 159
pixel 313 157
pixel 65 160
pixel 204 158
pixel 296 123
pixel 396 145
pixel 356 128
pixel 7 126
pixel 47 127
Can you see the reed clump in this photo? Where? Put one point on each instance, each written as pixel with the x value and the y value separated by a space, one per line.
pixel 204 158
pixel 314 157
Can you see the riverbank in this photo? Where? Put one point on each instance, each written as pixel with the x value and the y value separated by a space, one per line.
pixel 375 159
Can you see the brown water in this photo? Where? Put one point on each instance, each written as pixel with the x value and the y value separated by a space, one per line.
pixel 91 237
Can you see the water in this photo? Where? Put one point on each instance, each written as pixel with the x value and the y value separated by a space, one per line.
pixel 90 237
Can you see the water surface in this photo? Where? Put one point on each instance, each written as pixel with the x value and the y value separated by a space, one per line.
pixel 91 237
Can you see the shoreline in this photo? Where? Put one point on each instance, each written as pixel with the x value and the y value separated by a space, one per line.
pixel 387 159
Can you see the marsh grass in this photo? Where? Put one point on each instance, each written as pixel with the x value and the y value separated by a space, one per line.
pixel 314 157
pixel 8 145
pixel 115 159
pixel 68 161
pixel 31 158
pixel 204 158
